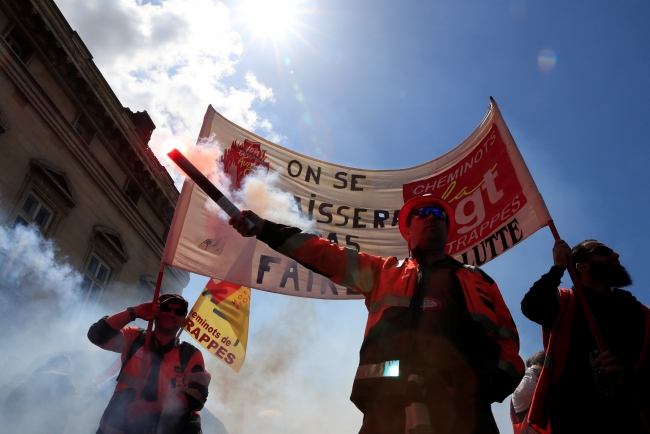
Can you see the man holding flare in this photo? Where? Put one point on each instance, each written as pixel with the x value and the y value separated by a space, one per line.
pixel 440 344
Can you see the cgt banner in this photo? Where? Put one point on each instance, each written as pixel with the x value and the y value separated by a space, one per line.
pixel 484 179
pixel 219 321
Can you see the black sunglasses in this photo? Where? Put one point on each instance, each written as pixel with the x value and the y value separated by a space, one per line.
pixel 597 251
pixel 179 311
pixel 425 211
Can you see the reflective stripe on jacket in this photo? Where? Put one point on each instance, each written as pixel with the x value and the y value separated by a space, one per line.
pixel 390 283
pixel 556 344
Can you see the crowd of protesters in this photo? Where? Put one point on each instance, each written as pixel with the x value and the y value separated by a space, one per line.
pixel 440 345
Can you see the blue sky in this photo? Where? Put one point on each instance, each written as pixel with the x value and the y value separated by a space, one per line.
pixel 387 85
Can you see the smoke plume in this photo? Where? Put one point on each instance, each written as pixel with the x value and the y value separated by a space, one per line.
pixel 262 397
pixel 44 316
pixel 259 191
pixel 47 316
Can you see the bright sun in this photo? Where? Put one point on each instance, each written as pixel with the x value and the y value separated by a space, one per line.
pixel 270 18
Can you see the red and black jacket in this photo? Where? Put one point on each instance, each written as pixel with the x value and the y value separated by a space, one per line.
pixel 181 375
pixel 388 285
pixel 557 343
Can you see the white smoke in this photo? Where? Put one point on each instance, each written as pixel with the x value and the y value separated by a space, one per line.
pixel 51 319
pixel 266 394
pixel 44 316
pixel 259 191
pixel 29 259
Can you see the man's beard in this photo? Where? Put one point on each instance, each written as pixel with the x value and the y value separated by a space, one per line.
pixel 611 275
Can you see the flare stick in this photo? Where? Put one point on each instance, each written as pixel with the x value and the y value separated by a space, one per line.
pixel 204 183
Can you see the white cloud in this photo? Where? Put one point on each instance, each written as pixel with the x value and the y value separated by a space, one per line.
pixel 170 59
pixel 263 91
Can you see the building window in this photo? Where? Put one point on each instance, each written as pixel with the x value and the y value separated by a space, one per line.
pixel 15 45
pixel 34 212
pixel 85 128
pixel 96 276
pixel 44 200
pixel 132 191
pixel 104 259
pixel 20 44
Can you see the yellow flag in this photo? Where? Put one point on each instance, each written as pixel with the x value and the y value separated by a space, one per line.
pixel 219 321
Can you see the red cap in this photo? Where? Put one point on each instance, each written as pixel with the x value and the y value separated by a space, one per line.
pixel 416 202
pixel 168 298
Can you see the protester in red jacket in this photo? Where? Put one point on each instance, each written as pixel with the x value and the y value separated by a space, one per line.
pixel 176 383
pixel 572 393
pixel 440 345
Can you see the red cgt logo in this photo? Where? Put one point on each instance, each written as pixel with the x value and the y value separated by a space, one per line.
pixel 242 159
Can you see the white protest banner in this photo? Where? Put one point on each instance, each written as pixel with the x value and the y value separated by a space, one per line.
pixel 485 180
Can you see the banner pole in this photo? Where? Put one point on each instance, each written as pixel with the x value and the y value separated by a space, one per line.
pixel 147 341
pixel 581 296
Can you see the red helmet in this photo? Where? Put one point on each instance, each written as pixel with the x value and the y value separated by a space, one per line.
pixel 416 202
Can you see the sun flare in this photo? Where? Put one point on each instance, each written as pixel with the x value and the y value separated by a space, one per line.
pixel 271 19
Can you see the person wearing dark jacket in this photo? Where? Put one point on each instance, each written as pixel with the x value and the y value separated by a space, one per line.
pixel 580 390
pixel 176 383
pixel 42 403
pixel 440 345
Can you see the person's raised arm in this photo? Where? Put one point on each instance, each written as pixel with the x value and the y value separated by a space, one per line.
pixel 105 333
pixel 342 265
pixel 541 303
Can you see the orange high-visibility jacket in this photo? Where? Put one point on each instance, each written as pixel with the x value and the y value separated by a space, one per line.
pixel 170 379
pixel 389 284
pixel 173 381
pixel 556 344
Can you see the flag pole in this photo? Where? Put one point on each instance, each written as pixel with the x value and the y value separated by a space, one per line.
pixel 147 341
pixel 214 193
pixel 581 296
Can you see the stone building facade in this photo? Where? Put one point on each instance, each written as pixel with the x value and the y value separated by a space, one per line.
pixel 75 164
